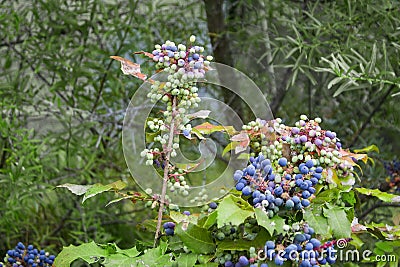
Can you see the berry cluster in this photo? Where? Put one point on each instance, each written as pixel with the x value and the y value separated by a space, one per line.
pixel 27 257
pixel 272 191
pixel 393 170
pixel 299 144
pixel 184 65
pixel 301 247
pixel 169 228
pixel 187 60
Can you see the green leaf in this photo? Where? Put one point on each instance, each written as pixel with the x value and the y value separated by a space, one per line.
pixel 153 257
pixel 270 224
pixel 367 149
pixel 88 252
pixel 349 197
pixel 229 147
pixel 233 210
pixel 76 188
pixel 330 195
pixel 208 128
pixel 186 260
pixel 313 216
pixel 180 217
pixel 130 252
pixel 100 188
pixel 385 197
pixel 197 239
pixel 242 244
pixel 338 222
pixel 118 200
pixel 210 220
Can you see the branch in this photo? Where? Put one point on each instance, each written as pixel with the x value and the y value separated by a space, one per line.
pixel 376 206
pixel 166 170
pixel 371 115
pixel 270 66
pixel 281 92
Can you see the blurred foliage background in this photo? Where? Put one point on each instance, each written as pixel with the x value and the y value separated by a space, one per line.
pixel 62 99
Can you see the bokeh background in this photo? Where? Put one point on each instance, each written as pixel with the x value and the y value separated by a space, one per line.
pixel 62 99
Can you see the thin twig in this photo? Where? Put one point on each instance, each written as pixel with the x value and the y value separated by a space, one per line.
pixel 166 171
pixel 371 115
pixel 376 206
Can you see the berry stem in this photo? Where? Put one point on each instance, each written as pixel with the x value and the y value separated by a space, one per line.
pixel 168 150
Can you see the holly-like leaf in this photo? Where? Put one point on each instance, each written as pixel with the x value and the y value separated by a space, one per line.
pixel 186 260
pixel 385 197
pixel 210 220
pixel 88 252
pixel 316 220
pixel 270 224
pixel 76 188
pixel 100 188
pixel 338 222
pixel 152 257
pixel 180 217
pixel 242 244
pixel 233 210
pixel 197 239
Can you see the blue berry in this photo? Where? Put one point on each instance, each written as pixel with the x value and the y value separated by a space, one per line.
pixel 296 199
pixel 247 191
pixel 229 264
pixel 289 204
pixel 309 163
pixel 169 231
pixel 171 225
pixel 300 238
pixel 305 202
pixel 243 261
pixel 278 261
pixel 282 162
pixel 251 170
pixel 186 132
pixel 316 243
pixel 196 56
pixel 278 202
pixel 213 205
pixel 278 191
pixel 306 194
pixel 270 244
pixel 304 169
pixel 186 212
pixel 309 246
pixel 319 169
pixel 239 186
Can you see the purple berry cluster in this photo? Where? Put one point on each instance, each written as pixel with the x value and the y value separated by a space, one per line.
pixel 179 58
pixel 393 170
pixel 303 248
pixel 28 257
pixel 169 228
pixel 272 191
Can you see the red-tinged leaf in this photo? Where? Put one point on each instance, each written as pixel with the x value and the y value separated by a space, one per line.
pixel 130 68
pixel 147 54
pixel 244 141
pixel 352 158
